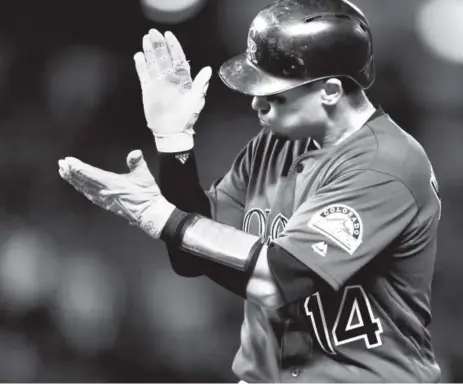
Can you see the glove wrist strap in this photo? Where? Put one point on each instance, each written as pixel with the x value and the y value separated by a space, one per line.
pixel 154 218
pixel 172 143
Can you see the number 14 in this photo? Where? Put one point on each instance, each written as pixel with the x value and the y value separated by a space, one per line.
pixel 354 303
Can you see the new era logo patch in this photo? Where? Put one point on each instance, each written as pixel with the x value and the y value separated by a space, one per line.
pixel 320 248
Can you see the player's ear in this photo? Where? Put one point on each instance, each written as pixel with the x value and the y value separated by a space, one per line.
pixel 331 91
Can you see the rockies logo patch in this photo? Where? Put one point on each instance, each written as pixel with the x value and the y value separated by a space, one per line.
pixel 341 224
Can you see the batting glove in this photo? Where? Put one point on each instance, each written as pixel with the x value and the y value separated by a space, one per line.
pixel 172 102
pixel 134 196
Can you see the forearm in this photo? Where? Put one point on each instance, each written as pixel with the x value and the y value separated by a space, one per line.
pixel 267 275
pixel 235 259
pixel 199 250
pixel 179 183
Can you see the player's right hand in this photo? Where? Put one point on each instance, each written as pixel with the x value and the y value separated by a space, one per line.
pixel 135 195
pixel 172 101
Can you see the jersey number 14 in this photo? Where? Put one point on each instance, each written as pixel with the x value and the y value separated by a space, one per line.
pixel 354 321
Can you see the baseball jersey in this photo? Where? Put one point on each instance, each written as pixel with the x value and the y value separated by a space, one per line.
pixel 363 215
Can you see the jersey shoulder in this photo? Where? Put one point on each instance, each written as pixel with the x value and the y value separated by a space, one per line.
pixel 401 156
pixel 382 147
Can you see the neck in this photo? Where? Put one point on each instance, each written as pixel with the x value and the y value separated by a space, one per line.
pixel 346 120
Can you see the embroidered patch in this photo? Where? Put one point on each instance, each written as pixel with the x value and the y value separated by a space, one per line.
pixel 341 224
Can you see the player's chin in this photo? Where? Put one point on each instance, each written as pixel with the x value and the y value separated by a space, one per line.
pixel 282 134
pixel 277 130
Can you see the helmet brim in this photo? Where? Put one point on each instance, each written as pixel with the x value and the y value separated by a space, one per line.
pixel 241 75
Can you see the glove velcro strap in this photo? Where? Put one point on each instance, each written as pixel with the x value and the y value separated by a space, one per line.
pixel 173 143
pixel 213 241
pixel 154 219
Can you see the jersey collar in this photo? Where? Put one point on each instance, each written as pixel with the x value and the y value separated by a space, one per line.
pixel 314 146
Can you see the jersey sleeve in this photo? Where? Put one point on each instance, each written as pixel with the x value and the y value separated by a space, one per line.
pixel 346 224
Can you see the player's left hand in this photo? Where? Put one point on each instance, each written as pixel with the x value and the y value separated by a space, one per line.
pixel 172 100
pixel 135 195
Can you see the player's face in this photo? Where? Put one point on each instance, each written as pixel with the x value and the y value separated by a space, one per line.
pixel 294 114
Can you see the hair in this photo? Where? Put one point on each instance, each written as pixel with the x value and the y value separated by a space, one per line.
pixel 349 86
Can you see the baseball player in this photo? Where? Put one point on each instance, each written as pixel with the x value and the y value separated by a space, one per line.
pixel 326 223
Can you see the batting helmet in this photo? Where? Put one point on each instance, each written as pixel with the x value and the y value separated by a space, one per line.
pixel 295 42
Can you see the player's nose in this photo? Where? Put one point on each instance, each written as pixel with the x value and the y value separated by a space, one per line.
pixel 260 104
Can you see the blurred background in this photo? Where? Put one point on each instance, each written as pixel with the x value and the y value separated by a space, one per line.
pixel 86 298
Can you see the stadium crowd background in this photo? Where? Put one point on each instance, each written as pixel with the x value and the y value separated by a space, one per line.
pixel 85 297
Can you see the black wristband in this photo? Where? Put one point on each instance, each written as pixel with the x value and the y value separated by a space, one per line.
pixel 171 233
